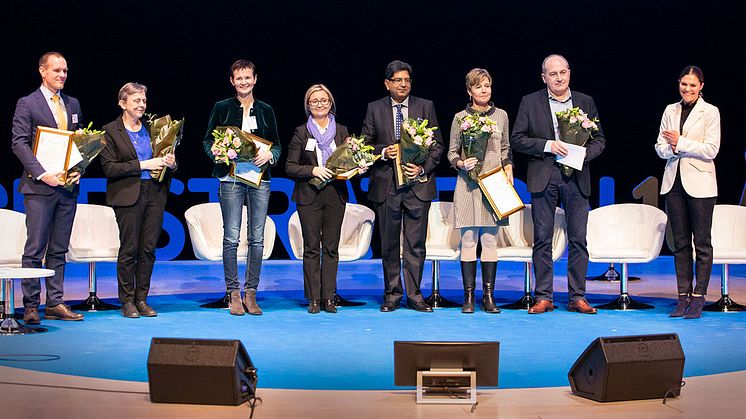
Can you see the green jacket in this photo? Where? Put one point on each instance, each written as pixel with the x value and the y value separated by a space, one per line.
pixel 229 112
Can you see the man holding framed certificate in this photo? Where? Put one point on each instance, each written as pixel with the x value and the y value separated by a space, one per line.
pixel 50 209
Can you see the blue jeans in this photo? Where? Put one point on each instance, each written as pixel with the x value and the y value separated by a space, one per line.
pixel 233 196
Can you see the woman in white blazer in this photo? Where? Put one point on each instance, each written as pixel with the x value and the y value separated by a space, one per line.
pixel 689 140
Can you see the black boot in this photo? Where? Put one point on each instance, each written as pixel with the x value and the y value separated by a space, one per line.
pixel 469 276
pixel 489 271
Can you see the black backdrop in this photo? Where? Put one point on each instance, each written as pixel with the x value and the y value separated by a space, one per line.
pixel 627 54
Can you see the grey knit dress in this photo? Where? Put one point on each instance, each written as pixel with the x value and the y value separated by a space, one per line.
pixel 471 208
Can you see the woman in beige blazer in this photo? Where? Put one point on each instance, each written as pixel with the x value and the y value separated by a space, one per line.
pixel 689 140
pixel 473 216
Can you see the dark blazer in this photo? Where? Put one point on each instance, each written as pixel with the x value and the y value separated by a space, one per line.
pixel 33 111
pixel 300 164
pixel 378 129
pixel 534 127
pixel 122 167
pixel 229 112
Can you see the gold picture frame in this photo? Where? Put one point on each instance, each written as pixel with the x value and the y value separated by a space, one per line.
pixel 500 193
pixel 248 172
pixel 52 148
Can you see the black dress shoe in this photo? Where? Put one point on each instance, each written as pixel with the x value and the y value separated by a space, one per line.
pixel 389 306
pixel 130 311
pixel 313 307
pixel 145 310
pixel 329 306
pixel 421 306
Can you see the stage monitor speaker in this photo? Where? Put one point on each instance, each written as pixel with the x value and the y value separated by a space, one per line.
pixel 629 368
pixel 200 371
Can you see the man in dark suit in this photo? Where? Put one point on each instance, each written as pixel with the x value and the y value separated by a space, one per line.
pixel 536 134
pixel 50 209
pixel 408 206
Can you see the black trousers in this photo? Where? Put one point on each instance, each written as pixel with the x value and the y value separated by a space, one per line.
pixel 561 189
pixel 402 215
pixel 689 216
pixel 139 228
pixel 321 224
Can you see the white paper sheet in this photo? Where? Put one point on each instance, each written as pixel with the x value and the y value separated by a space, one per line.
pixel 574 158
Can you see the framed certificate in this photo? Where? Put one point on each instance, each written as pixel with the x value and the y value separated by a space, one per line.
pixel 500 193
pixel 53 148
pixel 247 172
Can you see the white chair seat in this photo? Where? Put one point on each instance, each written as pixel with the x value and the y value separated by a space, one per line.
pixel 205 223
pixel 612 254
pixel 515 253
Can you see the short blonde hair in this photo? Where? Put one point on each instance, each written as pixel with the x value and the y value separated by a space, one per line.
pixel 319 88
pixel 130 89
pixel 475 76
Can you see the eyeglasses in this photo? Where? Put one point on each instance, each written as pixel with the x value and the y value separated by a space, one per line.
pixel 317 102
pixel 399 81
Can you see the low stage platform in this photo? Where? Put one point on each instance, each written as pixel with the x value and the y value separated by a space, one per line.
pixel 329 365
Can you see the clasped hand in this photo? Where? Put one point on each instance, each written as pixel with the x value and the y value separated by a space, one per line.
pixel 322 173
pixel 262 157
pixel 672 137
pixel 55 179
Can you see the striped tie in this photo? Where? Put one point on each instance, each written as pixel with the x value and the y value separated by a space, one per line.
pixel 59 113
pixel 399 120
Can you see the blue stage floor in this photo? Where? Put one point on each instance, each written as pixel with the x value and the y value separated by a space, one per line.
pixel 353 349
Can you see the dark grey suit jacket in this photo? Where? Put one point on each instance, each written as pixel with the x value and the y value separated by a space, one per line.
pixel 33 111
pixel 534 127
pixel 378 129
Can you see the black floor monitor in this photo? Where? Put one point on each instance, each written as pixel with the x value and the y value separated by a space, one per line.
pixel 410 357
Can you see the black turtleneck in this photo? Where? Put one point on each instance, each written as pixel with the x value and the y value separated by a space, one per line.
pixel 686 109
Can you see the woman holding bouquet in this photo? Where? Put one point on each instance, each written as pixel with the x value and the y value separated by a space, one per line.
pixel 479 143
pixel 258 118
pixel 137 198
pixel 689 140
pixel 321 211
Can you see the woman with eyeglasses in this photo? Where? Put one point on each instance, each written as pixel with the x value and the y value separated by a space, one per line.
pixel 321 211
pixel 689 140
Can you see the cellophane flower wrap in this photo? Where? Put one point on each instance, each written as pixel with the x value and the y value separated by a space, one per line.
pixel 416 139
pixel 475 130
pixel 354 153
pixel 575 127
pixel 165 135
pixel 232 145
pixel 89 142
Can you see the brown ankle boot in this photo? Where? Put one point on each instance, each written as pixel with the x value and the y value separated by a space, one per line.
pixel 235 303
pixel 249 299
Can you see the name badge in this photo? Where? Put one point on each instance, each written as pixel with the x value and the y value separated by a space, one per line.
pixel 75 118
pixel 311 144
pixel 252 123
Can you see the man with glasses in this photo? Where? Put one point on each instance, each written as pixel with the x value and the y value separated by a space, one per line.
pixel 402 212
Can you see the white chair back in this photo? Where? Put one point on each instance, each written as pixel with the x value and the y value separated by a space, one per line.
pixel 443 239
pixel 14 231
pixel 631 233
pixel 729 234
pixel 205 224
pixel 95 235
pixel 355 237
pixel 516 240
